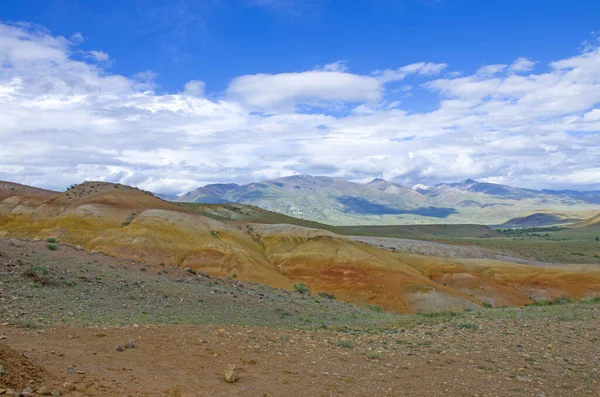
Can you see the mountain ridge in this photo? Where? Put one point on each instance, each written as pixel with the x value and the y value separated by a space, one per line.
pixel 340 202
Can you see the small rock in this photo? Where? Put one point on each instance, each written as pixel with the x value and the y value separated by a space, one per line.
pixel 78 247
pixel 55 393
pixel 28 392
pixel 129 345
pixel 71 369
pixel 231 373
pixel 69 386
pixel 2 336
pixel 44 391
pixel 189 270
pixel 120 348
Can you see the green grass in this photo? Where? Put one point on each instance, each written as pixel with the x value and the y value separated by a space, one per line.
pixel 472 326
pixel 40 274
pixel 345 344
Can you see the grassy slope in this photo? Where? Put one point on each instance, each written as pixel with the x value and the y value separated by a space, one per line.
pixel 254 214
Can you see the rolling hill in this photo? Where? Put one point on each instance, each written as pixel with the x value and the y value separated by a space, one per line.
pixel 126 222
pixel 541 219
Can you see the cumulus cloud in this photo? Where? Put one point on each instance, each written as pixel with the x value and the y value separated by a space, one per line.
pixel 194 88
pixel 283 91
pixel 64 120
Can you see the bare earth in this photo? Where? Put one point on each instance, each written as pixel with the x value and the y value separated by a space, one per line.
pixel 58 334
pixel 502 358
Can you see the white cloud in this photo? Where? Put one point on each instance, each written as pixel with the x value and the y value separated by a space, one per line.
pixel 100 56
pixel 421 68
pixel 502 124
pixel 283 91
pixel 337 66
pixel 194 88
pixel 521 65
pixel 490 70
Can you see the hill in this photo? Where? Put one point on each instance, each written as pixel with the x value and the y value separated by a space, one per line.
pixel 594 220
pixel 130 223
pixel 339 202
pixel 540 219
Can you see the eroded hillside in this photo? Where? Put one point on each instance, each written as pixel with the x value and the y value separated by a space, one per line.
pixel 130 223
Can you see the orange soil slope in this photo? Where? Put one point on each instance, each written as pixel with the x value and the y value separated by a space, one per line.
pixel 127 222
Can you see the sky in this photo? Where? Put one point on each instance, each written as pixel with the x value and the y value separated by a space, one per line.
pixel 169 95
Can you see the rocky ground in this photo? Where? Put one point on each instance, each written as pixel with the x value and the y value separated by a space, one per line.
pixel 77 331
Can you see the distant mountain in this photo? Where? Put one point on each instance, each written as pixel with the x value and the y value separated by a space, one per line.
pixel 492 189
pixel 209 194
pixel 341 202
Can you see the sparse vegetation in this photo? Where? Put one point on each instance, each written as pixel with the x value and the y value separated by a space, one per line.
pixel 51 240
pixel 52 247
pixel 301 288
pixel 326 295
pixel 38 273
pixel 466 326
pixel 345 344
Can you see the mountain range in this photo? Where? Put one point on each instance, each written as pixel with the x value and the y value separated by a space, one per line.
pixel 340 202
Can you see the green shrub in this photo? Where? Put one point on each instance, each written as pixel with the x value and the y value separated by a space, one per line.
pixel 38 273
pixel 487 305
pixel 326 295
pixel 346 344
pixel 52 247
pixel 51 240
pixel 301 288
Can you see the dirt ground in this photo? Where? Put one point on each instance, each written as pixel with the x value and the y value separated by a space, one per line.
pixel 61 329
pixel 486 357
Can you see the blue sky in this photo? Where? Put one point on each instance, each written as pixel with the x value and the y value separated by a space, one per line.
pixel 216 40
pixel 194 92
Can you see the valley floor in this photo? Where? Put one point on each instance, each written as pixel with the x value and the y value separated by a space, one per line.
pixel 69 322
